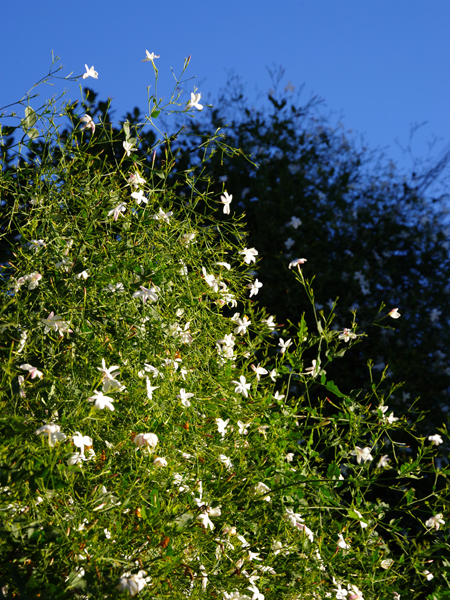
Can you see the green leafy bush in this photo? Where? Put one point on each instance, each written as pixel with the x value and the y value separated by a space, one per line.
pixel 151 442
pixel 371 235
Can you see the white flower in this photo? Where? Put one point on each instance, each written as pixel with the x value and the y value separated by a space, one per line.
pixel 362 454
pixel 341 592
pixel 342 543
pixel 89 122
pixel 21 382
pixel 242 386
pixel 347 335
pixel 90 72
pixel 249 254
pixel 390 418
pixel 160 462
pixel 34 372
pixel 262 489
pixel 132 584
pixel 139 197
pixel 147 294
pixel 307 531
pixel 235 596
pixel 295 222
pixel 128 147
pixel 83 275
pixel 394 313
pixel 56 323
pixel 289 457
pixel 54 433
pixel 297 262
pixel 284 345
pixel 75 459
pixel 147 440
pixel 101 401
pixel 36 244
pixel 435 314
pixel 223 264
pixel 241 538
pixel 270 322
pixel 136 180
pixel 150 389
pixel 150 369
pixel 355 592
pixel 254 287
pixel 296 520
pixel 314 370
pixel 33 280
pixel 435 521
pixel 210 280
pixel 228 340
pixel 184 397
pixel 205 520
pixel 226 461
pixel 259 371
pixel 383 462
pixel 64 264
pixel 194 101
pixel 289 243
pixel 278 396
pixel 163 216
pixel 257 595
pixel 221 425
pixel 187 238
pixel 81 441
pixel 120 208
pixel 185 336
pixel 241 325
pixel 273 375
pixel 362 523
pixel 226 199
pixel 111 287
pixel 150 57
pixel 436 439
pixel 204 577
pixel 109 382
pixel 243 427
pixel 386 563
pixel 429 576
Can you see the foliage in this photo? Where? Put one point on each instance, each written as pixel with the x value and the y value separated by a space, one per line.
pixel 371 236
pixel 151 442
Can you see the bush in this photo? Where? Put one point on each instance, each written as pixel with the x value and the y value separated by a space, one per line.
pixel 373 238
pixel 151 441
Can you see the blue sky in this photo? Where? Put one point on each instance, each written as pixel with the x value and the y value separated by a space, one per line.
pixel 381 67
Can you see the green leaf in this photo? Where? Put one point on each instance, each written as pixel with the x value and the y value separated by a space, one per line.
pixel 126 130
pixel 155 114
pixel 332 387
pixel 75 581
pixel 409 495
pixel 33 133
pixel 333 471
pixel 30 117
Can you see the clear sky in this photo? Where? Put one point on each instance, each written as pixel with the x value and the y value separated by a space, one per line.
pixel 381 66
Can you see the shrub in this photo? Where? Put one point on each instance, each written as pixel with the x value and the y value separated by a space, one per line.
pixel 371 235
pixel 151 441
